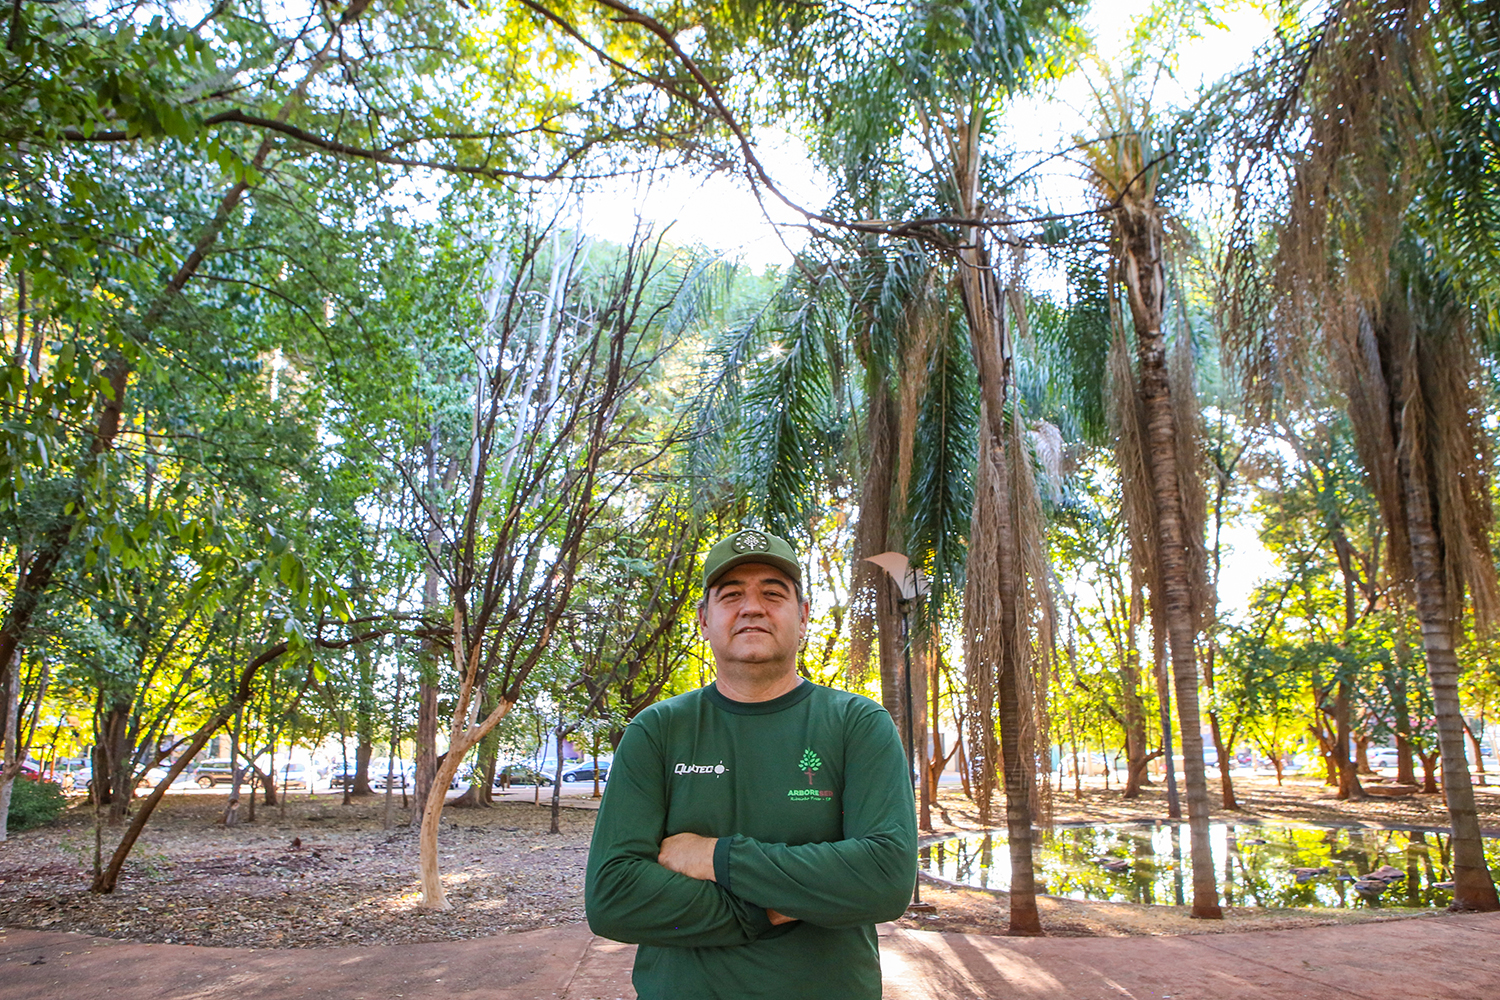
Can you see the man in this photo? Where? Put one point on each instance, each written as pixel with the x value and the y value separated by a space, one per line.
pixel 754 831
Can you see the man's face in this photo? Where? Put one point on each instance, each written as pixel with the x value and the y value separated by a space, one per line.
pixel 753 621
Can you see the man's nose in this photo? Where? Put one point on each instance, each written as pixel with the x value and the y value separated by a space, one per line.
pixel 752 604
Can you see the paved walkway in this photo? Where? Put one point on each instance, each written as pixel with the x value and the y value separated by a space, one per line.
pixel 1455 957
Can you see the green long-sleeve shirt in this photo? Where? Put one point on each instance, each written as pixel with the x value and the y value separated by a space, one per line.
pixel 810 798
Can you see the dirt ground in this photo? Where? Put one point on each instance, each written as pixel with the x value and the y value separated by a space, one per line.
pixel 323 873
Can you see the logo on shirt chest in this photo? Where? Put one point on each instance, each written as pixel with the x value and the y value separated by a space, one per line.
pixel 683 768
pixel 809 764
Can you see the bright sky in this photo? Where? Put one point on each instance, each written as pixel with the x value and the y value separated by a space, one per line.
pixel 721 213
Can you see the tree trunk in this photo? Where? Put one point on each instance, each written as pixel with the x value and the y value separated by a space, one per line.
pixel 1226 784
pixel 10 764
pixel 1019 767
pixel 995 513
pixel 1145 280
pixel 939 758
pixel 427 672
pixel 119 769
pixel 232 808
pixel 557 782
pixel 919 735
pixel 1473 888
pixel 434 896
pixel 390 755
pixel 364 727
pixel 1362 753
pixel 1430 761
pixel 461 740
pixel 1137 752
pixel 1406 772
pixel 1164 713
pixel 1349 786
pixel 1478 754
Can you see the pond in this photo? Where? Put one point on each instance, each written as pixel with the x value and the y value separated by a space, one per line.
pixel 1257 864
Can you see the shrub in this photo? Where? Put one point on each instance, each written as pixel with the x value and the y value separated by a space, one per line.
pixel 34 803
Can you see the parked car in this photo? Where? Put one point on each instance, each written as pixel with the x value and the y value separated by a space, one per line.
pixel 520 774
pixel 215 772
pixel 1382 756
pixel 295 775
pixel 341 774
pixel 400 777
pixel 585 771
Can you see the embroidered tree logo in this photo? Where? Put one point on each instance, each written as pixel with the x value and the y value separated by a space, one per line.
pixel 810 762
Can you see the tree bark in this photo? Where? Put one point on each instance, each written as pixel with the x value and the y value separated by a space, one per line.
pixel 1145 281
pixel 1137 752
pixel 1164 713
pixel 1349 786
pixel 1473 888
pixel 10 764
pixel 987 336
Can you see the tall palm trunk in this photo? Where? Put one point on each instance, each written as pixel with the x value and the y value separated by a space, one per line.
pixel 1145 280
pixel 996 624
pixel 1473 888
pixel 1410 376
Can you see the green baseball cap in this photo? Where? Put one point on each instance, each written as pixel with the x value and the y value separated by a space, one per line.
pixel 751 546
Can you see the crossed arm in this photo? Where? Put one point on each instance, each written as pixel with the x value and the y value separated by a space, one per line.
pixel 693 855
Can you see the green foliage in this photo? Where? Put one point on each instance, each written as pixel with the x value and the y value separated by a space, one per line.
pixel 34 804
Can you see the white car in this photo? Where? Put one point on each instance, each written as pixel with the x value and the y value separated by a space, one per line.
pixel 295 775
pixel 1383 756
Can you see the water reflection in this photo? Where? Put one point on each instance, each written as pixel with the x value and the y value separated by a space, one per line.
pixel 1257 865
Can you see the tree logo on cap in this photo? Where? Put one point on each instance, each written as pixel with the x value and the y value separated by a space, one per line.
pixel 749 541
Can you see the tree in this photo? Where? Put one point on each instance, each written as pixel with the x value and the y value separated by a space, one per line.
pixel 1126 164
pixel 1362 258
pixel 566 344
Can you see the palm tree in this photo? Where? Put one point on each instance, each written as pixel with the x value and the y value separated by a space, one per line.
pixel 935 79
pixel 1373 116
pixel 1125 166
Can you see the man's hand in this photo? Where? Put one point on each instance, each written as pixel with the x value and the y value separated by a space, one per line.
pixel 777 919
pixel 688 854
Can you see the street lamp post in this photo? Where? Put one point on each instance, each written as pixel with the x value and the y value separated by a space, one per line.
pixel 912 584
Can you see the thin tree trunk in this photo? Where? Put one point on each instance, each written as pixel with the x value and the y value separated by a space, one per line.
pixel 1406 772
pixel 557 782
pixel 1473 888
pixel 919 735
pixel 10 764
pixel 390 755
pixel 1137 753
pixel 1349 786
pixel 1017 766
pixel 1146 281
pixel 1164 713
pixel 364 727
pixel 232 808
